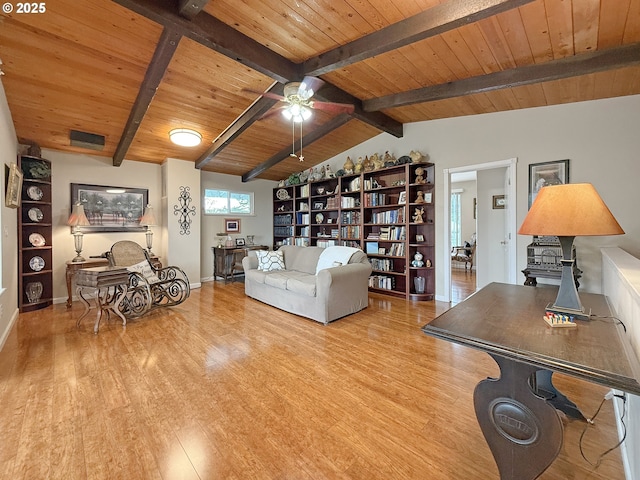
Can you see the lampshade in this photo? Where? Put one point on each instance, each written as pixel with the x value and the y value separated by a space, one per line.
pixel 574 209
pixel 566 211
pixel 78 217
pixel 148 219
pixel 185 137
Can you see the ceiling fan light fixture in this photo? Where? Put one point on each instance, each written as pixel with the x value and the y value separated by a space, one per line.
pixel 297 113
pixel 185 137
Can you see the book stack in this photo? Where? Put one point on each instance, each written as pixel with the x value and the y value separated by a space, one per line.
pixel 99 277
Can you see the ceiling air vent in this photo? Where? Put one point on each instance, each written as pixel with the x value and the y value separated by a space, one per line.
pixel 87 140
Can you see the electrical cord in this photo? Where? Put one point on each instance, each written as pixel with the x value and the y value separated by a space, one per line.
pixel 602 317
pixel 590 421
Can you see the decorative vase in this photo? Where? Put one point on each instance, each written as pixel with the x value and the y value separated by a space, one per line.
pixel 419 284
pixel 33 291
pixel 229 242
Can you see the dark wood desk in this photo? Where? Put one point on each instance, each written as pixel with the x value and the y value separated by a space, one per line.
pixel 523 431
pixel 223 258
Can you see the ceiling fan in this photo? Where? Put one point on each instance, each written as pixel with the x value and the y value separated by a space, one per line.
pixel 298 103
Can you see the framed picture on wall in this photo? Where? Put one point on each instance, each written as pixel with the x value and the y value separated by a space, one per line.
pixel 546 173
pixel 110 208
pixel 232 225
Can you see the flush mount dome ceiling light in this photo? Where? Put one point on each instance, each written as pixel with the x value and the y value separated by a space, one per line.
pixel 185 137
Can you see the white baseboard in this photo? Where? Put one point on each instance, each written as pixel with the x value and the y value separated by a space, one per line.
pixel 5 334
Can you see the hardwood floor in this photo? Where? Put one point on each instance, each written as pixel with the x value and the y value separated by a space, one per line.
pixel 463 284
pixel 224 387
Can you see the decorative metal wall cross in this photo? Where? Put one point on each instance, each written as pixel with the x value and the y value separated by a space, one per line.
pixel 184 210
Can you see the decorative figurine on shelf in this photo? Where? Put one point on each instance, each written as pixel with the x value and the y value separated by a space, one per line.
pixel 328 172
pixel 359 168
pixel 419 197
pixel 368 164
pixel 348 166
pixel 428 264
pixel 416 157
pixel 417 216
pixel 420 175
pixel 417 260
pixel 388 158
pixel 378 163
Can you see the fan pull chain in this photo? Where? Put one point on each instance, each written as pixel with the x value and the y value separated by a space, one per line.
pixel 301 157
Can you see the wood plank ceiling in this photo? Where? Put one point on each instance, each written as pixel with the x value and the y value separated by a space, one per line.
pixel 132 70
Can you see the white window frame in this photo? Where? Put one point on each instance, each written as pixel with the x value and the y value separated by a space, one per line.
pixel 228 210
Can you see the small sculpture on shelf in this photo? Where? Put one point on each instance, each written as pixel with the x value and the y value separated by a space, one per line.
pixel 416 157
pixel 417 260
pixel 378 163
pixel 388 158
pixel 419 197
pixel 328 172
pixel 417 216
pixel 359 168
pixel 428 263
pixel 348 166
pixel 368 164
pixel 420 176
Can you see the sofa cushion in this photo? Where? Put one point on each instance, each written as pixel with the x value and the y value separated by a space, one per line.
pixel 257 276
pixel 277 279
pixel 335 257
pixel 269 261
pixel 302 259
pixel 303 285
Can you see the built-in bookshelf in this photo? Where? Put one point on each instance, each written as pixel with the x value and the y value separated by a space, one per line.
pixel 388 213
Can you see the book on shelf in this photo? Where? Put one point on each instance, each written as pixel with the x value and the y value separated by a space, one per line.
pixel 372 247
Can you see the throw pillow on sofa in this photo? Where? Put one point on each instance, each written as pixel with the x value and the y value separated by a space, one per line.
pixel 144 269
pixel 269 261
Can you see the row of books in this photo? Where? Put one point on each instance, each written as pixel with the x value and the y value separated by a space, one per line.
pixel 350 202
pixel 283 231
pixel 382 264
pixel 282 219
pixel 305 190
pixel 388 216
pixel 326 243
pixel 302 218
pixel 350 217
pixel 374 199
pixel 354 185
pixel 381 281
pixel 351 231
pixel 392 233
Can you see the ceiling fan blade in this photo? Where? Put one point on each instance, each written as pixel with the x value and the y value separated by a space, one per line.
pixel 332 107
pixel 312 83
pixel 265 94
pixel 271 113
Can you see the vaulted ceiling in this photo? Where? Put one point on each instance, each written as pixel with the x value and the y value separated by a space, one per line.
pixel 132 70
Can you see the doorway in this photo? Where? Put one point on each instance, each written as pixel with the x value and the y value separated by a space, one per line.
pixel 501 245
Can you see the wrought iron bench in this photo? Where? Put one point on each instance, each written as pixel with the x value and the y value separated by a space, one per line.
pixel 148 287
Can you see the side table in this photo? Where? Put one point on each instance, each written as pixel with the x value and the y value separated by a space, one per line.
pixel 109 284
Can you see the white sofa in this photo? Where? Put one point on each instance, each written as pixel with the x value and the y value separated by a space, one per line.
pixel 325 295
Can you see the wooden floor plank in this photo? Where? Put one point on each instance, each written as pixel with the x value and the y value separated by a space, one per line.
pixel 224 386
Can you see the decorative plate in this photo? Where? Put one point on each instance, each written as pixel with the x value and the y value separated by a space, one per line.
pixel 35 214
pixel 319 217
pixel 282 194
pixel 34 192
pixel 36 263
pixel 37 240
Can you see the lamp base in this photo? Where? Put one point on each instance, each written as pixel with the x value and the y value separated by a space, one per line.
pixel 79 258
pixel 576 314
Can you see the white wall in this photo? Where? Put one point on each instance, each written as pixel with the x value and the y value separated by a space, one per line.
pixel 621 285
pixel 490 253
pixel 599 137
pixel 8 225
pixel 260 224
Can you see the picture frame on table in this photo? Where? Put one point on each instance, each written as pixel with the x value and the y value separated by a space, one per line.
pixel 318 206
pixel 547 173
pixel 419 238
pixel 240 242
pixel 14 186
pixel 402 198
pixel 110 208
pixel 231 225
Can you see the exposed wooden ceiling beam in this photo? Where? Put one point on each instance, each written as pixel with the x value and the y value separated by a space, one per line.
pixel 166 47
pixel 584 64
pixel 308 139
pixel 213 34
pixel 190 8
pixel 240 124
pixel 435 21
